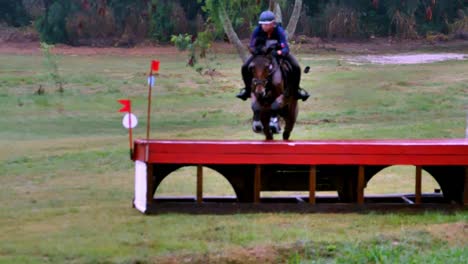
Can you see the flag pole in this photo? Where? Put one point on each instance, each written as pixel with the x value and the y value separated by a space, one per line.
pixel 149 105
pixel 153 69
pixel 130 132
pixel 148 115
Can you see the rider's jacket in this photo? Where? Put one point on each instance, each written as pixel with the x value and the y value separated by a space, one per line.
pixel 259 38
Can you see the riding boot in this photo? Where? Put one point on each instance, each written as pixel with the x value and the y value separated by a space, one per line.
pixel 244 93
pixel 302 94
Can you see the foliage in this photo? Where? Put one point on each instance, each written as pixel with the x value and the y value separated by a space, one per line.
pixel 51 65
pixel 13 13
pixel 198 49
pixel 161 25
pixel 182 41
pixel 52 25
pixel 242 13
pixel 342 21
pixel 71 21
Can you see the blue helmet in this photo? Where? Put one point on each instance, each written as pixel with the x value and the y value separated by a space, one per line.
pixel 266 17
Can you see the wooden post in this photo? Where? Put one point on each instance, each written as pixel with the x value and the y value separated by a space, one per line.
pixel 199 184
pixel 417 199
pixel 149 183
pixel 465 192
pixel 312 183
pixel 257 183
pixel 360 186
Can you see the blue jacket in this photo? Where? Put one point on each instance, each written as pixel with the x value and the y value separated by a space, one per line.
pixel 259 38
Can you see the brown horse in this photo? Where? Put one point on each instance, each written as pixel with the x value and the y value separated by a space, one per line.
pixel 270 99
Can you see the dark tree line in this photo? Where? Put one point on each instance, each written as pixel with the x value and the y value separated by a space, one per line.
pixel 127 22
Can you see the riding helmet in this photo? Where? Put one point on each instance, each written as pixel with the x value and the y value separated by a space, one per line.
pixel 266 17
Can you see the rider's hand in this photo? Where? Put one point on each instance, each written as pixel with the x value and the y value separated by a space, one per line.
pixel 279 52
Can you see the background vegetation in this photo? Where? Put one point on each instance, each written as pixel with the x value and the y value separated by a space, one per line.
pixel 125 22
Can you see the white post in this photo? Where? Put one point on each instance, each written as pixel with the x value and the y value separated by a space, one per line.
pixel 140 186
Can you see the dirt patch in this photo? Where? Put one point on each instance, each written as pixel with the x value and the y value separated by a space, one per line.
pixel 407 58
pixel 26 41
pixel 456 234
pixel 258 254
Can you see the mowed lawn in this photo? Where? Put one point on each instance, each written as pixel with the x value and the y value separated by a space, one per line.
pixel 66 181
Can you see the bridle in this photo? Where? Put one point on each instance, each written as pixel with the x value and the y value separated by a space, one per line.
pixel 264 81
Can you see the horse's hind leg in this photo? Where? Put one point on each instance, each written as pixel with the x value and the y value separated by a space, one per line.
pixel 290 119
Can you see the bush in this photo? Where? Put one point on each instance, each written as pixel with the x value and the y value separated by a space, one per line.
pixel 161 26
pixel 13 13
pixel 341 22
pixel 52 25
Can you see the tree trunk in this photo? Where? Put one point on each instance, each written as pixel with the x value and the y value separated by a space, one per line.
pixel 272 5
pixel 278 14
pixel 291 29
pixel 232 35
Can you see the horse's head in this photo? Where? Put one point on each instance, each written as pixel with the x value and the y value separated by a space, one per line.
pixel 261 68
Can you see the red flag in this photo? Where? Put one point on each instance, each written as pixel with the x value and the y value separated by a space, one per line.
pixel 155 66
pixel 126 105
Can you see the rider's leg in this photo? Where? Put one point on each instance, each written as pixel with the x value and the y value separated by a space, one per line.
pixel 296 77
pixel 247 77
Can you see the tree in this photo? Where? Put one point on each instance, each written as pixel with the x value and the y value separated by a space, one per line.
pixel 220 11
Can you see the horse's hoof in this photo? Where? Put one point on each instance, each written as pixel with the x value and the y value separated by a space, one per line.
pixel 257 127
pixel 275 126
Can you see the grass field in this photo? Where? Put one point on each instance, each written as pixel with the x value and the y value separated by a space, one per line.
pixel 66 182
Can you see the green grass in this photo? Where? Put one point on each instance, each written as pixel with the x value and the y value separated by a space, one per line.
pixel 66 182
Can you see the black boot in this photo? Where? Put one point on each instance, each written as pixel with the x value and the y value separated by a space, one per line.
pixel 302 94
pixel 244 94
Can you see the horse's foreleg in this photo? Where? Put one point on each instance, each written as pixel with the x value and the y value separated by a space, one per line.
pixel 265 118
pixel 257 126
pixel 290 119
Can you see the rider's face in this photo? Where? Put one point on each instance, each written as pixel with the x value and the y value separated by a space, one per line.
pixel 268 27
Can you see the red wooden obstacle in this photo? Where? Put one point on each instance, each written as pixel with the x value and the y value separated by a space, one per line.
pixel 252 166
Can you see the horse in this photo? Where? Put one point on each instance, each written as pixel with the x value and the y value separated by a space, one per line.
pixel 271 97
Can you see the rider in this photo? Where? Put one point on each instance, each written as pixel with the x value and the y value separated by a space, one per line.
pixel 269 30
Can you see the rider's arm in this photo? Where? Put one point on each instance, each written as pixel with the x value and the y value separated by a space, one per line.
pixel 253 39
pixel 283 41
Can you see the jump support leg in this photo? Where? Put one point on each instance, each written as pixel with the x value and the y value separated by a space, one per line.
pixel 312 184
pixel 417 198
pixel 465 191
pixel 199 184
pixel 257 183
pixel 360 186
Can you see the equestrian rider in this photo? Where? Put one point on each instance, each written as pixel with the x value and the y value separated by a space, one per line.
pixel 269 30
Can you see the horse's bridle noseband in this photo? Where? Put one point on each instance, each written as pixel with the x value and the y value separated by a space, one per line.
pixel 256 82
